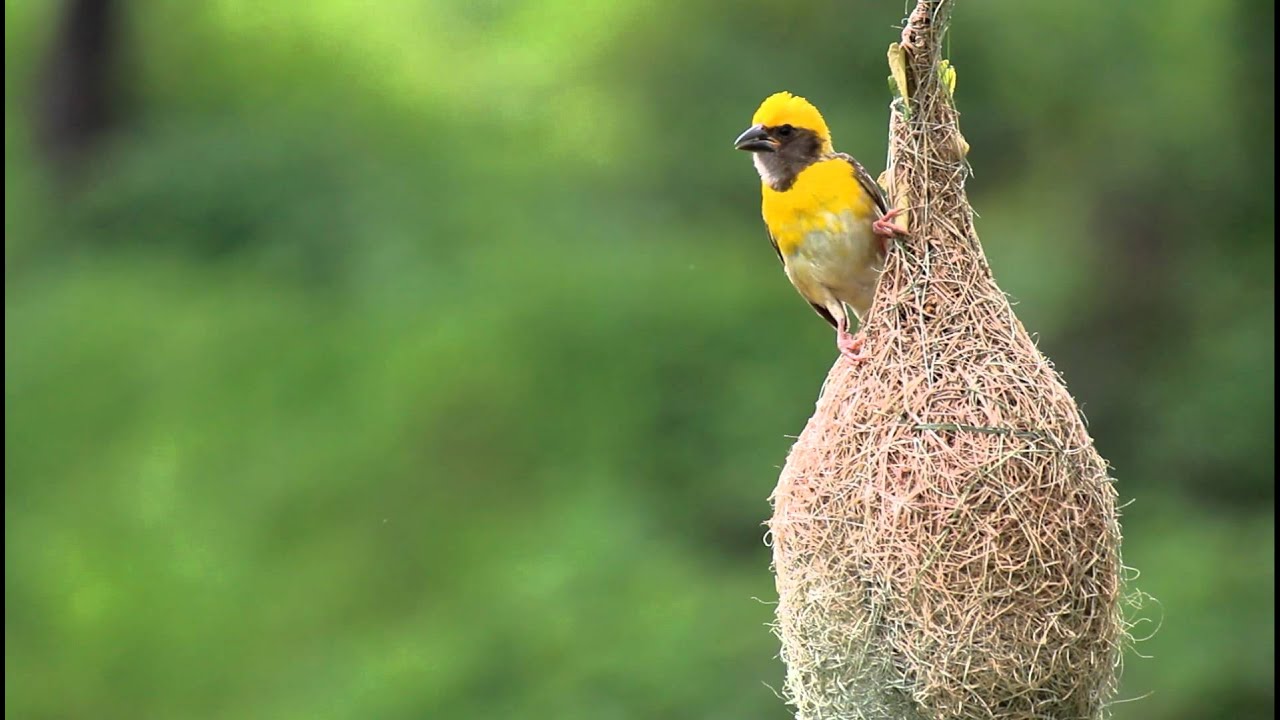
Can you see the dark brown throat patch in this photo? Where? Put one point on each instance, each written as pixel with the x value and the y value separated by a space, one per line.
pixel 796 152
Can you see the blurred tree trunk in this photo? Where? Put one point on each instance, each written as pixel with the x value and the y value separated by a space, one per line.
pixel 77 98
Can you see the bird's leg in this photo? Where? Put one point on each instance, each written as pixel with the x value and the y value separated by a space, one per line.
pixel 885 226
pixel 850 345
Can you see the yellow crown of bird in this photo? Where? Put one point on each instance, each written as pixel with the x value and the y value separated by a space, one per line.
pixel 783 108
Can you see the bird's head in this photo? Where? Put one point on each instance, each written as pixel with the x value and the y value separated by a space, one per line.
pixel 787 135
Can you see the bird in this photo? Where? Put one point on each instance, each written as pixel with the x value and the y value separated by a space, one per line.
pixel 827 218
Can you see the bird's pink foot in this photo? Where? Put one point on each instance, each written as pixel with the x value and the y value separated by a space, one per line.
pixel 885 226
pixel 851 345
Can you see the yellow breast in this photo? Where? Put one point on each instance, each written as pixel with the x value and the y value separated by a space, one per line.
pixel 817 202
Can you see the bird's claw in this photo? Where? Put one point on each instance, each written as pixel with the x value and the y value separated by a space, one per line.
pixel 851 346
pixel 885 226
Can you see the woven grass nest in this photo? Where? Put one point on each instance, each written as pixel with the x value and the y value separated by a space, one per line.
pixel 945 537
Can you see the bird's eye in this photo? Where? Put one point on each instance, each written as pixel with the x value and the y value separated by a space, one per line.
pixel 785 131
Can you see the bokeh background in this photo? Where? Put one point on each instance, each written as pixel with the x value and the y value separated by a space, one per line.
pixel 428 359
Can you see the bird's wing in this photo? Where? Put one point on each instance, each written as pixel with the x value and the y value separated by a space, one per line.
pixel 824 313
pixel 867 182
pixel 776 249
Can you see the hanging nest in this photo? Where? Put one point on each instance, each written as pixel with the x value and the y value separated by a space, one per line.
pixel 945 536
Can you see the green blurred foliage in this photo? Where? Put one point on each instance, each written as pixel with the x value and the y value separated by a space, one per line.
pixel 427 360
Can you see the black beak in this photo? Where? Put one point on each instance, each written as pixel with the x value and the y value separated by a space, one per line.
pixel 756 139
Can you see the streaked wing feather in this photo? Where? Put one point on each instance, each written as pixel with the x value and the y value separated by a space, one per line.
pixel 867 182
